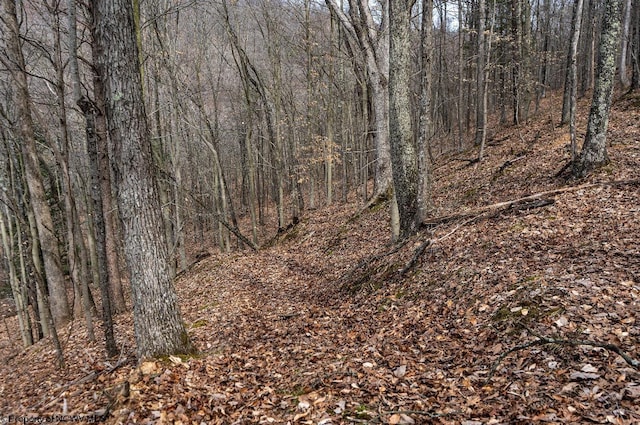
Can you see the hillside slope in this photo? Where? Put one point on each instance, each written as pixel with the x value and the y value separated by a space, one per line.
pixel 335 325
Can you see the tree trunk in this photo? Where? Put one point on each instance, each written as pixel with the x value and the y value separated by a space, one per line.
pixel 635 49
pixel 594 149
pixel 425 125
pixel 99 228
pixel 460 78
pixel 403 154
pixel 626 24
pixel 7 237
pixel 159 328
pixel 481 106
pixel 572 79
pixel 46 231
pixel 361 30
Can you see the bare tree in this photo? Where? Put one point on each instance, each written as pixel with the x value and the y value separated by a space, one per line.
pixel 425 125
pixel 159 328
pixel 594 149
pixel 361 32
pixel 403 153
pixel 571 79
pixel 44 222
pixel 626 26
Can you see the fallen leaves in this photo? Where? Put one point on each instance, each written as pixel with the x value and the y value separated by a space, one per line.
pixel 283 342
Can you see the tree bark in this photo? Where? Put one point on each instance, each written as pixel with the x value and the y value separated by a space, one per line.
pixel 425 125
pixel 635 49
pixel 46 231
pixel 159 328
pixel 481 106
pixel 571 76
pixel 361 31
pixel 626 25
pixel 403 154
pixel 594 149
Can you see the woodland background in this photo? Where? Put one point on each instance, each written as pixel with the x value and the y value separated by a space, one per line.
pixel 264 121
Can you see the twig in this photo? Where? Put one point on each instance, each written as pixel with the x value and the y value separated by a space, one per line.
pixel 509 163
pixel 83 380
pixel 424 413
pixel 420 250
pixel 362 264
pixel 571 342
pixel 417 253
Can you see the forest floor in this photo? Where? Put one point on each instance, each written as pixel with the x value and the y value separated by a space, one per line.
pixel 520 314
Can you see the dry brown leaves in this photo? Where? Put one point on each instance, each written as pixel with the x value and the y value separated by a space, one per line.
pixel 294 334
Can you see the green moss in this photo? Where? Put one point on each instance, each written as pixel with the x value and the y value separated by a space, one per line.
pixel 212 304
pixel 502 314
pixel 470 193
pixel 517 227
pixel 297 391
pixel 199 323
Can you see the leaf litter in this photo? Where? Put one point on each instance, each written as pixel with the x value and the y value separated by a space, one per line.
pixel 297 334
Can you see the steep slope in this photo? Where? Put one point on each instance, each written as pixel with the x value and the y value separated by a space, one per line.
pixel 334 324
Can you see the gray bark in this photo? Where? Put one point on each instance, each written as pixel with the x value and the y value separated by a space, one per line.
pixel 425 129
pixel 481 106
pixel 594 149
pixel 571 77
pixel 44 222
pixel 361 31
pixel 159 328
pixel 403 153
pixel 626 25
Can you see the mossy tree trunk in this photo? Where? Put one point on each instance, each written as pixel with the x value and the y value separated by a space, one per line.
pixel 403 153
pixel 594 149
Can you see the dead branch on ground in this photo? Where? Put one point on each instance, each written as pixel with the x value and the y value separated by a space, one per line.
pixel 515 202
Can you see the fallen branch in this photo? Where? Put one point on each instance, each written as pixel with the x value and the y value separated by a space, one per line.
pixel 363 263
pixel 420 250
pixel 512 203
pixel 571 342
pixel 416 254
pixel 509 163
pixel 92 376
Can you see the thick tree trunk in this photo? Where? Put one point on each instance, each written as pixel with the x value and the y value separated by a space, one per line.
pixel 99 228
pixel 109 209
pixel 159 328
pixel 594 149
pixel 403 154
